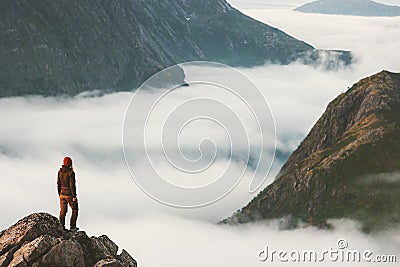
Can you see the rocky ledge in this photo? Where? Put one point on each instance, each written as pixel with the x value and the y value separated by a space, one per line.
pixel 40 240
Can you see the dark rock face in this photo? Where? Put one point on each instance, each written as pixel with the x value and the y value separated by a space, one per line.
pixel 39 240
pixel 350 7
pixel 34 249
pixel 28 229
pixel 55 47
pixel 348 165
pixel 67 252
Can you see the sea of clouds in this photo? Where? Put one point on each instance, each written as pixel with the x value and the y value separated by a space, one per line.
pixel 36 133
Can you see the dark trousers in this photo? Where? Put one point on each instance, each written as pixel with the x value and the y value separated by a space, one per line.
pixel 64 201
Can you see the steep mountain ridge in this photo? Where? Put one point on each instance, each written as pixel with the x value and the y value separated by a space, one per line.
pixel 347 166
pixel 58 47
pixel 40 240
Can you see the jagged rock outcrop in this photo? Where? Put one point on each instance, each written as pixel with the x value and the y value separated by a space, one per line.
pixel 348 166
pixel 350 7
pixel 56 47
pixel 40 240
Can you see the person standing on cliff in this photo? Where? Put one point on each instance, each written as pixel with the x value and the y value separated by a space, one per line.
pixel 67 193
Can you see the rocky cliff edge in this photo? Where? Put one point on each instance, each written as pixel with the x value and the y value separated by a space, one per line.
pixel 40 240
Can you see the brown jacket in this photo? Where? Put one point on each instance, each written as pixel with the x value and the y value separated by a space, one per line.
pixel 66 182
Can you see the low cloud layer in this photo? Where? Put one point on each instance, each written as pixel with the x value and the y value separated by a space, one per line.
pixel 157 240
pixel 37 132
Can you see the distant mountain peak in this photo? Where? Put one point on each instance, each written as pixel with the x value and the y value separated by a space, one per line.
pixel 40 240
pixel 329 174
pixel 350 7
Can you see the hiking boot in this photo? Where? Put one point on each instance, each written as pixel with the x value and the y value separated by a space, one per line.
pixel 74 229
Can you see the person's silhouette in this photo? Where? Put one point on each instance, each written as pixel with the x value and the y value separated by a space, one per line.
pixel 67 192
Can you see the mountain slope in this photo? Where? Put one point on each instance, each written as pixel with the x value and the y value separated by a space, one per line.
pixel 39 240
pixel 350 7
pixel 347 167
pixel 55 47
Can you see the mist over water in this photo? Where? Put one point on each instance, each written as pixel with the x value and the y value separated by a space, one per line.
pixel 36 133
